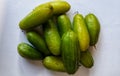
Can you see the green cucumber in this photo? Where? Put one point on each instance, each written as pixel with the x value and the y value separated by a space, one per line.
pixel 69 51
pixel 37 41
pixel 93 26
pixel 54 63
pixel 35 18
pixel 52 37
pixel 64 23
pixel 80 28
pixel 27 51
pixel 86 59
pixel 57 6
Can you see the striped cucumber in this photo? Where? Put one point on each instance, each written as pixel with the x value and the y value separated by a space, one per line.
pixel 69 51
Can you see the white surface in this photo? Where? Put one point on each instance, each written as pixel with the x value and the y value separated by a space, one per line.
pixel 107 55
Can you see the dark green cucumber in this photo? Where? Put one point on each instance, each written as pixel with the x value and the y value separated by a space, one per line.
pixel 27 51
pixel 80 28
pixel 86 59
pixel 52 37
pixel 70 51
pixel 93 26
pixel 35 18
pixel 54 63
pixel 37 41
pixel 64 24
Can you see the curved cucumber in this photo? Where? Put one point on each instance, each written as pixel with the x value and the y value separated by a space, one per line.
pixel 54 63
pixel 64 24
pixel 69 51
pixel 29 52
pixel 37 41
pixel 93 26
pixel 80 28
pixel 52 37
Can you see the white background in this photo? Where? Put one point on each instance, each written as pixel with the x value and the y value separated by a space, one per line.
pixel 106 56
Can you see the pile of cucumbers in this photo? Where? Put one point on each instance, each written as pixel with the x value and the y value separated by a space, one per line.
pixel 63 45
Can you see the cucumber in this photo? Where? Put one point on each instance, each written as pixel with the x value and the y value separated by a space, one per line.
pixel 35 18
pixel 42 13
pixel 54 63
pixel 27 51
pixel 57 6
pixel 80 28
pixel 86 59
pixel 93 26
pixel 52 37
pixel 64 24
pixel 69 51
pixel 37 41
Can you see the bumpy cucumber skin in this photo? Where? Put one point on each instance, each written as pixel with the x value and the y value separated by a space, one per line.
pixel 86 59
pixel 54 63
pixel 64 24
pixel 27 51
pixel 80 28
pixel 69 51
pixel 59 7
pixel 93 26
pixel 37 41
pixel 35 18
pixel 52 37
